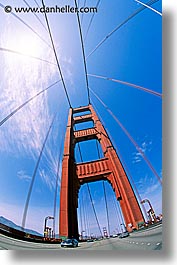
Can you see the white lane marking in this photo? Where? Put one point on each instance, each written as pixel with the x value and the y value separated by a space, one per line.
pixel 142 243
pixel 137 243
pixel 149 244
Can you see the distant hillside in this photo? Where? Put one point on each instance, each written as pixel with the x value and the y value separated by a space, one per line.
pixel 7 222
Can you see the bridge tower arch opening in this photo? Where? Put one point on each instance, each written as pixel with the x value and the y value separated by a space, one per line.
pixel 107 168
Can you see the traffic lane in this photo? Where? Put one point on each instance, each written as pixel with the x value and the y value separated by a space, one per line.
pixel 151 243
pixel 145 243
pixel 107 244
pixel 7 243
pixel 149 239
pixel 122 244
pixel 15 244
pixel 148 232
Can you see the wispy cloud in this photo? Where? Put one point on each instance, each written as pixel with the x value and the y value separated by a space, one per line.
pixel 145 146
pixel 27 128
pixel 47 179
pixel 22 175
pixel 150 188
pixel 22 78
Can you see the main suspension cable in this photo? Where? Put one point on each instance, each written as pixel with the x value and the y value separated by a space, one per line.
pixel 56 57
pixel 83 52
pixel 25 103
pixel 120 25
pixel 129 84
pixel 153 9
pixel 130 137
pixel 34 174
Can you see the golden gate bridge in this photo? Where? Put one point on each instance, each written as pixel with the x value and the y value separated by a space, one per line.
pixel 110 167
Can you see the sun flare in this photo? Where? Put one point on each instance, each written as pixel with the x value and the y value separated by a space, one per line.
pixel 26 45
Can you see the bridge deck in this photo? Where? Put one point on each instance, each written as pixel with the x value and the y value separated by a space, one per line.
pixel 150 239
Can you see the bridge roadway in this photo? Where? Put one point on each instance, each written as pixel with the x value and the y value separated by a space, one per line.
pixel 150 239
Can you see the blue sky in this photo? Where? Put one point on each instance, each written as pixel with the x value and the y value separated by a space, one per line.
pixel 132 54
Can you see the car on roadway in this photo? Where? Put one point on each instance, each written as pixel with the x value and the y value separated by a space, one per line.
pixel 72 243
pixel 124 234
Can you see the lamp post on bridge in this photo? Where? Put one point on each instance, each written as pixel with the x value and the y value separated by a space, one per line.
pixel 124 228
pixel 82 234
pixel 46 229
pixel 151 210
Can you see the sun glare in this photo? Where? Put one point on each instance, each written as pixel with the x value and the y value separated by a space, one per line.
pixel 25 44
pixel 28 46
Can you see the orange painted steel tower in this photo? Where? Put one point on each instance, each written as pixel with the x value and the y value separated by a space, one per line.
pixel 108 168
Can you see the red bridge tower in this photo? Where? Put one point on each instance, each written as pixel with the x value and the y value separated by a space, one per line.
pixel 108 168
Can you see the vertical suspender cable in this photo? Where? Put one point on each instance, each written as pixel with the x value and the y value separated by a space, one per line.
pixel 130 137
pixel 125 166
pixel 35 15
pixel 83 13
pixel 81 217
pixel 55 53
pixel 91 20
pixel 106 203
pixel 84 217
pixel 116 210
pixel 83 52
pixel 120 25
pixel 90 196
pixel 57 180
pixel 94 210
pixel 105 197
pixel 36 3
